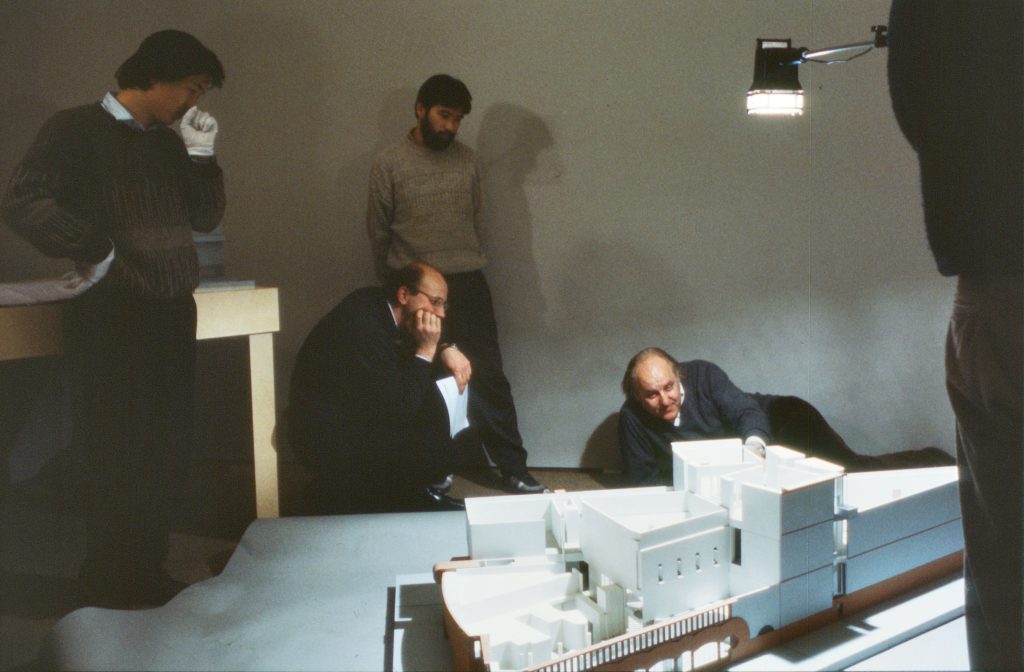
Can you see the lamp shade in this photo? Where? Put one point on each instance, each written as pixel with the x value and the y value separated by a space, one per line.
pixel 776 89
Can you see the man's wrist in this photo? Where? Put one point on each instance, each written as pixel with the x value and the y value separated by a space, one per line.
pixel 447 346
pixel 426 353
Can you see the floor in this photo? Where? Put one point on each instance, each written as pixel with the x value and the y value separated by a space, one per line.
pixel 42 536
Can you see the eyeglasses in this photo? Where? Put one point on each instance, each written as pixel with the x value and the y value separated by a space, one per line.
pixel 435 301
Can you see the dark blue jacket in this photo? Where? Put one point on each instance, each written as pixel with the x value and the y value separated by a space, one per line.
pixel 713 407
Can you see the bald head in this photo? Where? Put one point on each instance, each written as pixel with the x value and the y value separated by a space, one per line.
pixel 653 380
pixel 419 287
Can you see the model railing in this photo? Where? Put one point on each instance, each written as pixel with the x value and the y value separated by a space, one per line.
pixel 651 637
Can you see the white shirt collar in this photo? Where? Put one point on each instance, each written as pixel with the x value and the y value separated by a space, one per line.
pixel 119 112
pixel 679 416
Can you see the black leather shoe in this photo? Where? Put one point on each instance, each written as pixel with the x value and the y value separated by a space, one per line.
pixel 522 483
pixel 442 502
pixel 444 486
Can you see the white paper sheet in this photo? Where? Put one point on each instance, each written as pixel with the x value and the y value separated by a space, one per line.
pixel 38 291
pixel 458 418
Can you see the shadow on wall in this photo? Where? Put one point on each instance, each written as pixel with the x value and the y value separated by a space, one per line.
pixel 510 140
pixel 395 118
pixel 602 449
pixel 324 285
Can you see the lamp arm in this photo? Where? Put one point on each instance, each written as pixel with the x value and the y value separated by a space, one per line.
pixel 880 41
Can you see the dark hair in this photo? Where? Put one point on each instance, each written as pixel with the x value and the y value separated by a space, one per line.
pixel 445 90
pixel 168 56
pixel 409 276
pixel 629 379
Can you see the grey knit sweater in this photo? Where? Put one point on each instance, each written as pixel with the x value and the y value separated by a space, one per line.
pixel 425 205
pixel 89 181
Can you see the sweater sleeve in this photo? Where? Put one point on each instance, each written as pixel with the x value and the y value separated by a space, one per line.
pixel 737 409
pixel 478 202
pixel 639 449
pixel 34 203
pixel 380 213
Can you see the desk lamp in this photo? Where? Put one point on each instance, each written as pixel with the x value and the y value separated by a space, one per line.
pixel 776 89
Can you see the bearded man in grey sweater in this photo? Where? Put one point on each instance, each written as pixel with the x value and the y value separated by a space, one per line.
pixel 425 204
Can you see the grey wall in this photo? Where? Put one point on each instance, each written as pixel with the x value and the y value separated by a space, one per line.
pixel 630 201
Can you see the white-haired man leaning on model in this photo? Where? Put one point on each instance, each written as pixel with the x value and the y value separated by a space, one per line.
pixel 668 400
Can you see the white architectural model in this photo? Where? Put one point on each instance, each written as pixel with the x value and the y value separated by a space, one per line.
pixel 573 580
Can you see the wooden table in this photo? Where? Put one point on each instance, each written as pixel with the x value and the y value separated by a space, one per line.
pixel 35 331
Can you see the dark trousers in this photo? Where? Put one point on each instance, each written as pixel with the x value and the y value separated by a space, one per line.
pixel 798 425
pixel 132 364
pixel 470 324
pixel 983 378
pixel 367 467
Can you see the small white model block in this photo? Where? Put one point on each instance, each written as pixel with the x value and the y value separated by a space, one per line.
pixel 892 559
pixel 697 466
pixel 566 515
pixel 523 525
pixel 611 602
pixel 518 615
pixel 504 529
pixel 535 636
pixel 616 529
pixel 532 612
pixel 671 547
pixel 686 574
pixel 564 522
pixel 805 595
pixel 897 520
pixel 486 592
pixel 759 608
pixel 892 505
pixel 778 497
pixel 760 561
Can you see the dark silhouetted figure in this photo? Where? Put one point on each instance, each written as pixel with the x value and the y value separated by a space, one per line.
pixel 955 81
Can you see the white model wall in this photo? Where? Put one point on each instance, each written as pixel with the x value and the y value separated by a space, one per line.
pixel 630 201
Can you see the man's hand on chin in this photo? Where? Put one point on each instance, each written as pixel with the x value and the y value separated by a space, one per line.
pixel 426 331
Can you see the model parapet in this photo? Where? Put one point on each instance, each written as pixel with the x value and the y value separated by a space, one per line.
pixel 576 580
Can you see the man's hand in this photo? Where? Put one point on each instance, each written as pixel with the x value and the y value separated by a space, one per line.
pixel 459 365
pixel 198 131
pixel 86 275
pixel 755 444
pixel 425 328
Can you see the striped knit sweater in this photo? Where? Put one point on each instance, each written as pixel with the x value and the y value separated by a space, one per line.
pixel 89 181
pixel 425 205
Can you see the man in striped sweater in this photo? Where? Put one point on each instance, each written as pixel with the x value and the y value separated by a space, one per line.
pixel 112 188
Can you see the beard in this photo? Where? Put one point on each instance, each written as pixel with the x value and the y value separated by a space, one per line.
pixel 433 139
